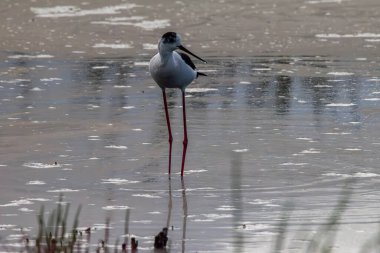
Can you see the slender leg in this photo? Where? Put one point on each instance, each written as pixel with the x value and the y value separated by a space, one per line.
pixel 169 130
pixel 184 133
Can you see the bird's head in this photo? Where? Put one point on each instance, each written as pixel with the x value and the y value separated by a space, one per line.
pixel 171 41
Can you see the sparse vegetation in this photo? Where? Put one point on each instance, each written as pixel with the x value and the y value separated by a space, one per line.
pixel 54 236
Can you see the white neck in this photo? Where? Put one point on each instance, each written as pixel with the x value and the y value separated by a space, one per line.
pixel 164 52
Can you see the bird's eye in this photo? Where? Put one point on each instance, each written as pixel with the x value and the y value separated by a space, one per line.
pixel 169 40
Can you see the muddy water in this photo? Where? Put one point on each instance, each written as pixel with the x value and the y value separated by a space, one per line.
pixel 264 132
pixel 288 113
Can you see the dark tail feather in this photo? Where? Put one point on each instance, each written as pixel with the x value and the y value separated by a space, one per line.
pixel 200 74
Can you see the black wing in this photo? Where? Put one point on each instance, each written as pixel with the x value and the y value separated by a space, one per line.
pixel 200 74
pixel 187 59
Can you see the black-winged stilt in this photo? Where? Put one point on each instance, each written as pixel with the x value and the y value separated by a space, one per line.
pixel 171 69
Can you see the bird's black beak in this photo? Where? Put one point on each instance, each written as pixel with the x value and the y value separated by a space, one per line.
pixel 187 51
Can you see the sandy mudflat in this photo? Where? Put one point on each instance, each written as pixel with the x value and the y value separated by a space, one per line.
pixel 72 29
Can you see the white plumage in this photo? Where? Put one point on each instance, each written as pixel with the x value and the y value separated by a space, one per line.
pixel 171 71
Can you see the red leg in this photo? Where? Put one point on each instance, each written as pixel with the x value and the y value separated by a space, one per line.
pixel 169 130
pixel 184 133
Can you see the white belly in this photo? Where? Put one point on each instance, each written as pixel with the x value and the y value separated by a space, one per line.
pixel 172 73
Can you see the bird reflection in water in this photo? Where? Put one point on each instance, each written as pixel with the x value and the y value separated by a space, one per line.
pixel 161 239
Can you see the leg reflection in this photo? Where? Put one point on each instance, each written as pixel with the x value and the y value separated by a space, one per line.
pixel 170 205
pixel 184 214
pixel 237 201
pixel 161 239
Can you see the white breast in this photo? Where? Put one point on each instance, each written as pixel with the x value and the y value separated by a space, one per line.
pixel 171 71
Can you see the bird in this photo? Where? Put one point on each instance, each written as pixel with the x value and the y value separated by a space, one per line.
pixel 172 69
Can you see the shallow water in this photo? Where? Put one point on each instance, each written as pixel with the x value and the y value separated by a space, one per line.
pixel 264 133
pixel 288 114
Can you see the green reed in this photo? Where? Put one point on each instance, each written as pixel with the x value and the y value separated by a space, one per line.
pixel 322 240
